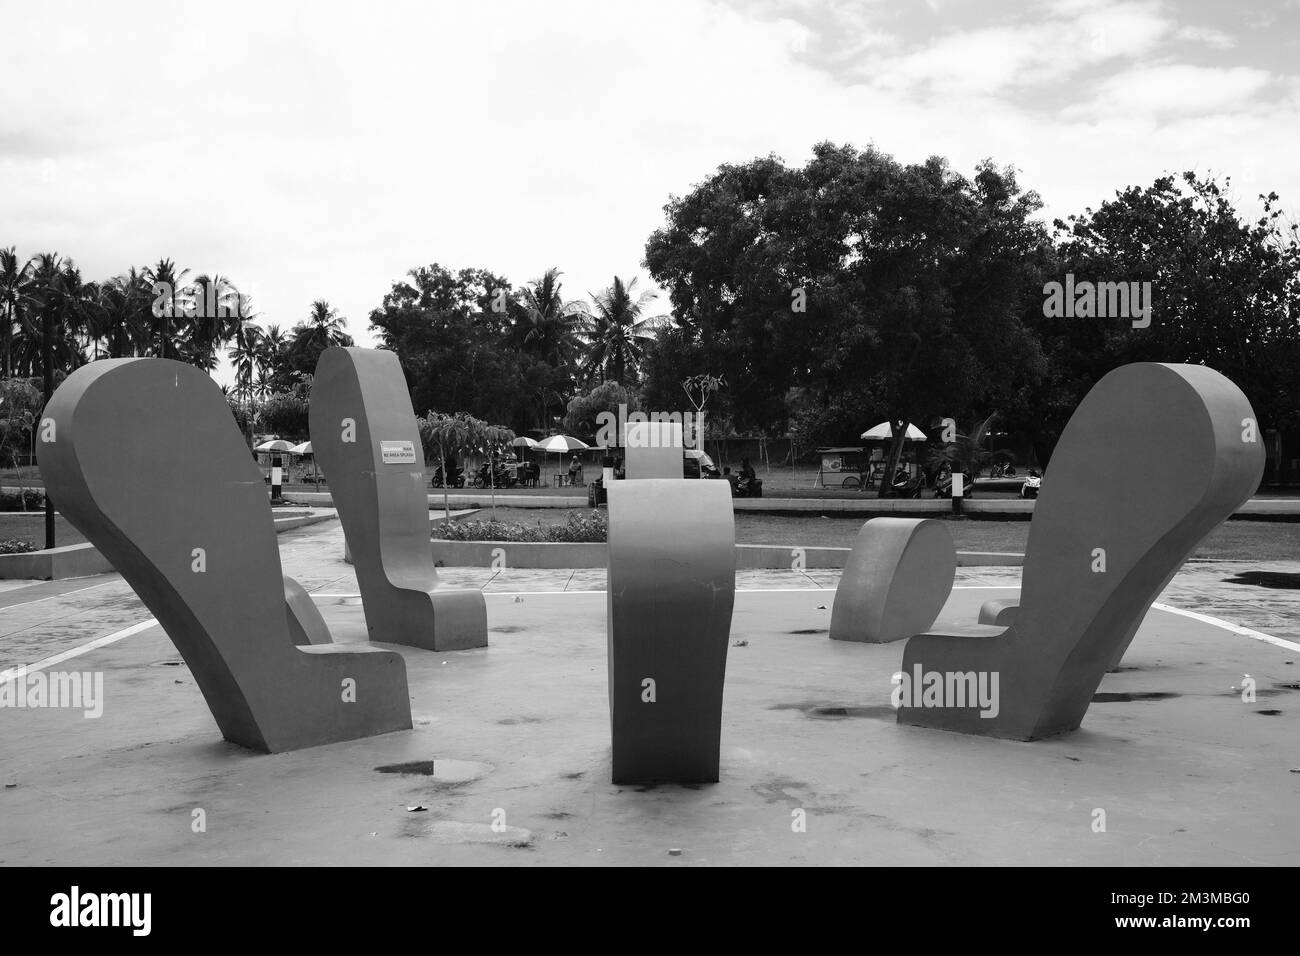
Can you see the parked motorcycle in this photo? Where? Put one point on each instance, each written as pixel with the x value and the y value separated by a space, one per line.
pixel 457 479
pixel 1032 483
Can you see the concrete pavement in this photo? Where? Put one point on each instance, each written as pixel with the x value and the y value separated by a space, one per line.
pixel 1184 769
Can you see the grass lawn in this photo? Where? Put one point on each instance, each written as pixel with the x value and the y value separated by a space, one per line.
pixel 31 527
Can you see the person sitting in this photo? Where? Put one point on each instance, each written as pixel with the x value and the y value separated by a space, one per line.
pixel 747 470
pixel 732 480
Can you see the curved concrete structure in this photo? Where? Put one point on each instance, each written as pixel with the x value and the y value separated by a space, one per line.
pixel 143 457
pixel 672 583
pixel 1101 548
pixel 365 437
pixel 896 580
pixel 306 626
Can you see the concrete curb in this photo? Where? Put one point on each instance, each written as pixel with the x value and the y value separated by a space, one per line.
pixel 749 557
pixel 83 560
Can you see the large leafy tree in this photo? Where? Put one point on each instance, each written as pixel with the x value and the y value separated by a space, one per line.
pixel 1225 293
pixel 448 330
pixel 869 288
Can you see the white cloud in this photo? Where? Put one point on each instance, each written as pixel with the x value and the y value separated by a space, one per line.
pixel 321 150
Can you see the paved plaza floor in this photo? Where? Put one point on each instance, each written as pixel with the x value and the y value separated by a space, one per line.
pixel 1184 770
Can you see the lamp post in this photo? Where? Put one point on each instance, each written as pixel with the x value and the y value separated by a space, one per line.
pixel 47 364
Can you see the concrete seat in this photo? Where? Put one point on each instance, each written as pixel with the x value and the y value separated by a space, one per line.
pixel 672 584
pixel 895 581
pixel 364 434
pixel 190 529
pixel 1103 544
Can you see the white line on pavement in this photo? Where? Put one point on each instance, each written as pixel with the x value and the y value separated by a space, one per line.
pixel 98 642
pixel 1227 626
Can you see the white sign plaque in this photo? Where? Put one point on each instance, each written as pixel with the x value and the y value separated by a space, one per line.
pixel 397 452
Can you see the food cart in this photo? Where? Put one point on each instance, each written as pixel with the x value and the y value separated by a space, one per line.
pixel 849 467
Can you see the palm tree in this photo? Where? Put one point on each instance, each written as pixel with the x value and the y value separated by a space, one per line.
pixel 124 307
pixel 549 327
pixel 167 283
pixel 616 333
pixel 323 328
pixel 15 288
pixel 59 296
pixel 272 360
pixel 244 354
pixel 217 318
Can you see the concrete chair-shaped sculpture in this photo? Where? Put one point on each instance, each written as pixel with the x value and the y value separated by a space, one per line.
pixel 190 529
pixel 1153 459
pixel 365 437
pixel 895 582
pixel 672 583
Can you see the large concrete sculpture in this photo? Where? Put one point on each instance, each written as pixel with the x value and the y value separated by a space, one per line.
pixel 1104 541
pixel 190 529
pixel 365 436
pixel 672 583
pixel 652 450
pixel 895 582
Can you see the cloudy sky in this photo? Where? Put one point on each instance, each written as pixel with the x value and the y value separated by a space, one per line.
pixel 322 149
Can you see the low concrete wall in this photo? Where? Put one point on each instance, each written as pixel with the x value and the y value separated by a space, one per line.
pixel 70 561
pixel 82 560
pixel 749 557
pixel 462 499
pixel 1278 508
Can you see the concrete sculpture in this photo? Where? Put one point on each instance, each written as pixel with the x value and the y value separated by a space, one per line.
pixel 191 532
pixel 365 436
pixel 1101 548
pixel 895 582
pixel 306 626
pixel 672 583
pixel 652 450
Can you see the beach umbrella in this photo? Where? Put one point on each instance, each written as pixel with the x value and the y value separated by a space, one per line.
pixel 561 444
pixel 523 441
pixel 305 449
pixel 274 446
pixel 882 432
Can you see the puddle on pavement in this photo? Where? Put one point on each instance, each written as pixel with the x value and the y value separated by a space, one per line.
pixel 1127 696
pixel 822 711
pixel 1280 580
pixel 445 771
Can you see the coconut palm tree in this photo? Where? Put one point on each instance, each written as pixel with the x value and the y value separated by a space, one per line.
pixel 323 328
pixel 15 300
pixel 272 362
pixel 616 332
pixel 59 296
pixel 122 311
pixel 218 315
pixel 168 309
pixel 547 326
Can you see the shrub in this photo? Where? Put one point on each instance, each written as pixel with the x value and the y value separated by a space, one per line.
pixel 586 526
pixel 15 546
pixel 10 501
